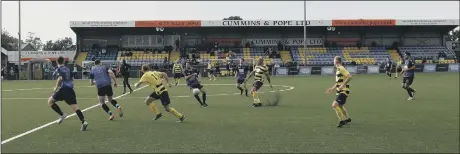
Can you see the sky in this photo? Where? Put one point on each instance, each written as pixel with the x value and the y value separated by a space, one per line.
pixel 50 20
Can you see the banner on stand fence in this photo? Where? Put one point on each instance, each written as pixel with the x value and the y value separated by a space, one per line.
pixel 442 67
pixel 453 67
pixel 429 68
pixel 315 70
pixel 362 69
pixel 373 69
pixel 327 70
pixel 351 69
pixel 418 68
pixel 281 71
pixel 305 71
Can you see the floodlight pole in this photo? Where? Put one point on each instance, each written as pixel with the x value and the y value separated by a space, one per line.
pixel 305 32
pixel 19 43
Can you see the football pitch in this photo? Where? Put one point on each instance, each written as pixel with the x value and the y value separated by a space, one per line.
pixel 383 120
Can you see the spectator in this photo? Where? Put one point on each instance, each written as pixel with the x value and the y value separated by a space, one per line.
pixel 74 72
pixel 177 43
pixel 47 73
pixel 353 63
pixel 183 61
pixel 3 72
pixel 213 53
pixel 165 60
pixel 280 45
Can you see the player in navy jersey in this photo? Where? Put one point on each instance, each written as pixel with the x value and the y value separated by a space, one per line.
pixel 240 76
pixel 124 71
pixel 64 92
pixel 388 66
pixel 188 71
pixel 102 76
pixel 191 77
pixel 408 75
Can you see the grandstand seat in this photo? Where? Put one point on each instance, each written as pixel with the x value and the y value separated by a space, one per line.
pixel 139 58
pixel 429 52
pixel 323 56
pixel 110 54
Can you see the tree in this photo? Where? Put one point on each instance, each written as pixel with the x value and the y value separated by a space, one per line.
pixel 9 42
pixel 233 18
pixel 48 46
pixel 453 35
pixel 58 45
pixel 36 42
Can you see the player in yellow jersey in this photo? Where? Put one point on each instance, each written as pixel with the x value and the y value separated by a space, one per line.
pixel 178 70
pixel 260 71
pixel 211 71
pixel 342 91
pixel 155 80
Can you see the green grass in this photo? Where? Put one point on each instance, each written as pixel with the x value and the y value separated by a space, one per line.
pixel 383 120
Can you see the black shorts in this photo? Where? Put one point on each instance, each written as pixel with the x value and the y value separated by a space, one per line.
pixel 399 68
pixel 240 81
pixel 65 94
pixel 211 71
pixel 105 91
pixel 163 97
pixel 388 69
pixel 257 85
pixel 196 85
pixel 125 75
pixel 341 98
pixel 177 75
pixel 408 80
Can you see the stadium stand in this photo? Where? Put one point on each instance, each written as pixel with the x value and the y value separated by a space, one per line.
pixel 110 54
pixel 286 56
pixel 205 57
pixel 81 57
pixel 325 56
pixel 256 53
pixel 174 56
pixel 430 53
pixel 394 55
pixel 246 53
pixel 315 55
pixel 138 58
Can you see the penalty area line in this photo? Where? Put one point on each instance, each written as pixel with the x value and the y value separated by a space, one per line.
pixel 55 121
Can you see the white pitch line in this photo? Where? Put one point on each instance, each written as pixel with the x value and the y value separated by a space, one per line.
pixel 91 107
pixel 41 88
pixel 55 121
pixel 37 98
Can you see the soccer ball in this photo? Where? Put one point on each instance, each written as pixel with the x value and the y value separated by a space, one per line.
pixel 196 91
